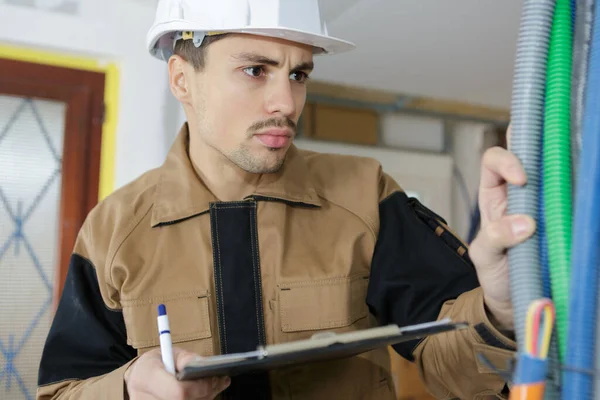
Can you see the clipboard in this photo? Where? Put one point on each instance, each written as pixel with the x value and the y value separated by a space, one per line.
pixel 320 347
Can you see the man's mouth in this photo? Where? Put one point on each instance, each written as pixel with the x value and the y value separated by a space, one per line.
pixel 275 138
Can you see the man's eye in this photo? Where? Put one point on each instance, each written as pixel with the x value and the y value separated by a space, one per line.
pixel 254 72
pixel 299 76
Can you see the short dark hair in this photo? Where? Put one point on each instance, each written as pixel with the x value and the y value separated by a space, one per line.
pixel 196 55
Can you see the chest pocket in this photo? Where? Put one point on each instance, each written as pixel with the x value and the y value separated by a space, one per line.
pixel 189 322
pixel 336 304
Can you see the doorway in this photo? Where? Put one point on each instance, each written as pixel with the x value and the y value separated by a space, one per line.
pixel 50 145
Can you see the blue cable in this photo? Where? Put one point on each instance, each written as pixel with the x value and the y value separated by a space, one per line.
pixel 543 241
pixel 573 10
pixel 541 226
pixel 578 383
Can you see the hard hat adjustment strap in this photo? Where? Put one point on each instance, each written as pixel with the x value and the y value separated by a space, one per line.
pixel 196 37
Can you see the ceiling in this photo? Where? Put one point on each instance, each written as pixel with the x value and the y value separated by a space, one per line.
pixel 451 49
pixel 448 49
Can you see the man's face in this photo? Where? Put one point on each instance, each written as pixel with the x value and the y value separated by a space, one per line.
pixel 248 98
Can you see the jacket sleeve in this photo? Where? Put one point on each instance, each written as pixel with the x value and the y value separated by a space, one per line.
pixel 421 272
pixel 86 353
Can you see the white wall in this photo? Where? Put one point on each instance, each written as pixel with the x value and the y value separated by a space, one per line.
pixel 111 31
pixel 413 132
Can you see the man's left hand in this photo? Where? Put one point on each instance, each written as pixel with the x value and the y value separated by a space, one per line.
pixel 499 231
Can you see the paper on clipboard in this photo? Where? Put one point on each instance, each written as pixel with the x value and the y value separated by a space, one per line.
pixel 320 347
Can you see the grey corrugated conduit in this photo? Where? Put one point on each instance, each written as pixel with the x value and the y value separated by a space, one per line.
pixel 527 116
pixel 527 121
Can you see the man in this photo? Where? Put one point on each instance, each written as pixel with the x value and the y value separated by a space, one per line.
pixel 248 240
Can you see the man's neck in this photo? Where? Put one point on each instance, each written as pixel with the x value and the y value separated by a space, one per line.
pixel 225 180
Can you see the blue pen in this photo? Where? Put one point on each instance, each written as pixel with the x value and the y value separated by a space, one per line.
pixel 166 346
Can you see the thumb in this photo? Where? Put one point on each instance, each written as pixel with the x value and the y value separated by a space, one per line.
pixel 183 357
pixel 497 236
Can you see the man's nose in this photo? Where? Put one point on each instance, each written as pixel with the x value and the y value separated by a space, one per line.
pixel 279 98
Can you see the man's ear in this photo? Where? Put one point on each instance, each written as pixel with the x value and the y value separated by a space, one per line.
pixel 178 79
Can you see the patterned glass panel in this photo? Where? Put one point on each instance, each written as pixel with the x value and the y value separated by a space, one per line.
pixel 31 145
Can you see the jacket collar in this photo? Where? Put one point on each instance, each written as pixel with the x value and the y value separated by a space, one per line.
pixel 181 194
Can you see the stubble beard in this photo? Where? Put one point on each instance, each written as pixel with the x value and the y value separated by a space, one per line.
pixel 244 159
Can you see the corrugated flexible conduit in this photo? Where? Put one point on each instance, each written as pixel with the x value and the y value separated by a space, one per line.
pixel 552 391
pixel 556 173
pixel 584 17
pixel 557 164
pixel 581 47
pixel 527 119
pixel 580 360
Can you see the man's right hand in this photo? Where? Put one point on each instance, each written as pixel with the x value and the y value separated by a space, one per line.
pixel 147 379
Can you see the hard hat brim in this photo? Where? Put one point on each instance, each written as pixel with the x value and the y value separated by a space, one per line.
pixel 322 44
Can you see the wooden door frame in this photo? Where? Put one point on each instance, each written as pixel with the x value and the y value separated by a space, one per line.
pixel 83 93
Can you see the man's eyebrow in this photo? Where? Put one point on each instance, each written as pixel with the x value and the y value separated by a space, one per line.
pixel 305 66
pixel 258 59
pixel 255 58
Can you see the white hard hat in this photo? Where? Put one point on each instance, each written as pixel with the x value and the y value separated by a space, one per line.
pixel 294 20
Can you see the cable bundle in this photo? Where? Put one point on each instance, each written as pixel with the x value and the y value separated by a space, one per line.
pixel 566 58
pixel 532 364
